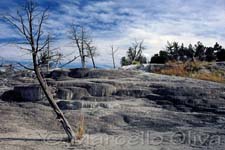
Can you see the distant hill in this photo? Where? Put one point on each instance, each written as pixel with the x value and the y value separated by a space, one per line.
pixel 29 64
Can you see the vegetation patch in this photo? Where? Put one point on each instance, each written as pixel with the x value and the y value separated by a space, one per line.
pixel 198 70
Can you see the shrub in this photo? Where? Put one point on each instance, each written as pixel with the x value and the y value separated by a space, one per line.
pixel 81 129
pixel 136 63
pixel 160 58
pixel 124 61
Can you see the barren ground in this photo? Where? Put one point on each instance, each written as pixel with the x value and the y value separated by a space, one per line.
pixel 122 110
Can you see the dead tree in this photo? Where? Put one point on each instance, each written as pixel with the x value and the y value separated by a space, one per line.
pixel 29 23
pixel 113 52
pixel 78 37
pixel 91 51
pixel 49 56
pixel 134 53
pixel 84 43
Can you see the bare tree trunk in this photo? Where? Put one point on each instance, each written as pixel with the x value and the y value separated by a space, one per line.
pixel 82 48
pixel 60 116
pixel 91 51
pixel 113 55
pixel 48 54
pixel 83 62
pixel 93 61
pixel 113 58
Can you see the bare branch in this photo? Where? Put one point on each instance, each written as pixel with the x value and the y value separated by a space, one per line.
pixel 114 50
pixel 12 21
pixel 25 30
pixel 31 69
pixel 76 39
pixel 69 61
pixel 22 48
pixel 44 45
pixel 141 48
pixel 39 32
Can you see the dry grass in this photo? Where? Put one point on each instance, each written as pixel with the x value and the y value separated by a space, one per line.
pixel 81 129
pixel 193 70
pixel 177 70
pixel 210 77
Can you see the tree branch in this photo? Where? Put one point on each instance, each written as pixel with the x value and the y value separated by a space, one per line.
pixel 11 22
pixel 31 69
pixel 39 32
pixel 69 61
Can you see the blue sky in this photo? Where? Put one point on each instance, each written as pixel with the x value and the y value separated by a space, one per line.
pixel 119 22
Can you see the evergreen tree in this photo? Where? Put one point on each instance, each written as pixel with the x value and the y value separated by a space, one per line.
pixel 177 52
pixel 219 52
pixel 221 55
pixel 190 52
pixel 160 58
pixel 200 51
pixel 210 54
pixel 124 61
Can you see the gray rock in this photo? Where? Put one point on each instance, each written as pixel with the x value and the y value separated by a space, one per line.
pixel 100 89
pixel 69 105
pixel 59 74
pixel 99 73
pixel 78 92
pixel 75 105
pixel 30 92
pixel 135 92
pixel 79 72
pixel 110 74
pixel 72 93
pixel 11 95
pixel 126 104
pixel 65 94
pixel 94 89
pixel 98 99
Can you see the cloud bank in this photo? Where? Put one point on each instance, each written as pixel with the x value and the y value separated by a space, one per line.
pixel 119 22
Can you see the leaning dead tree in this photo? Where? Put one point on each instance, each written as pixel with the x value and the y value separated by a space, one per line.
pixel 29 23
pixel 84 43
pixel 113 52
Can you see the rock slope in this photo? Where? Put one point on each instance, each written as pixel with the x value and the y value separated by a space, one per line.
pixel 122 110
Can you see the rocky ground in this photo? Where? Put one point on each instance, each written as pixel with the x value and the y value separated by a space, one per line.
pixel 123 110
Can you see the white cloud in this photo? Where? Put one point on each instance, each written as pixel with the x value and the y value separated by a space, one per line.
pixel 119 22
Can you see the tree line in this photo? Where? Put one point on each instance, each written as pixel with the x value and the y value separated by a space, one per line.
pixel 178 52
pixel 174 52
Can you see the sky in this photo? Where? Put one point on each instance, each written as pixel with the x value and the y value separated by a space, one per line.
pixel 120 22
